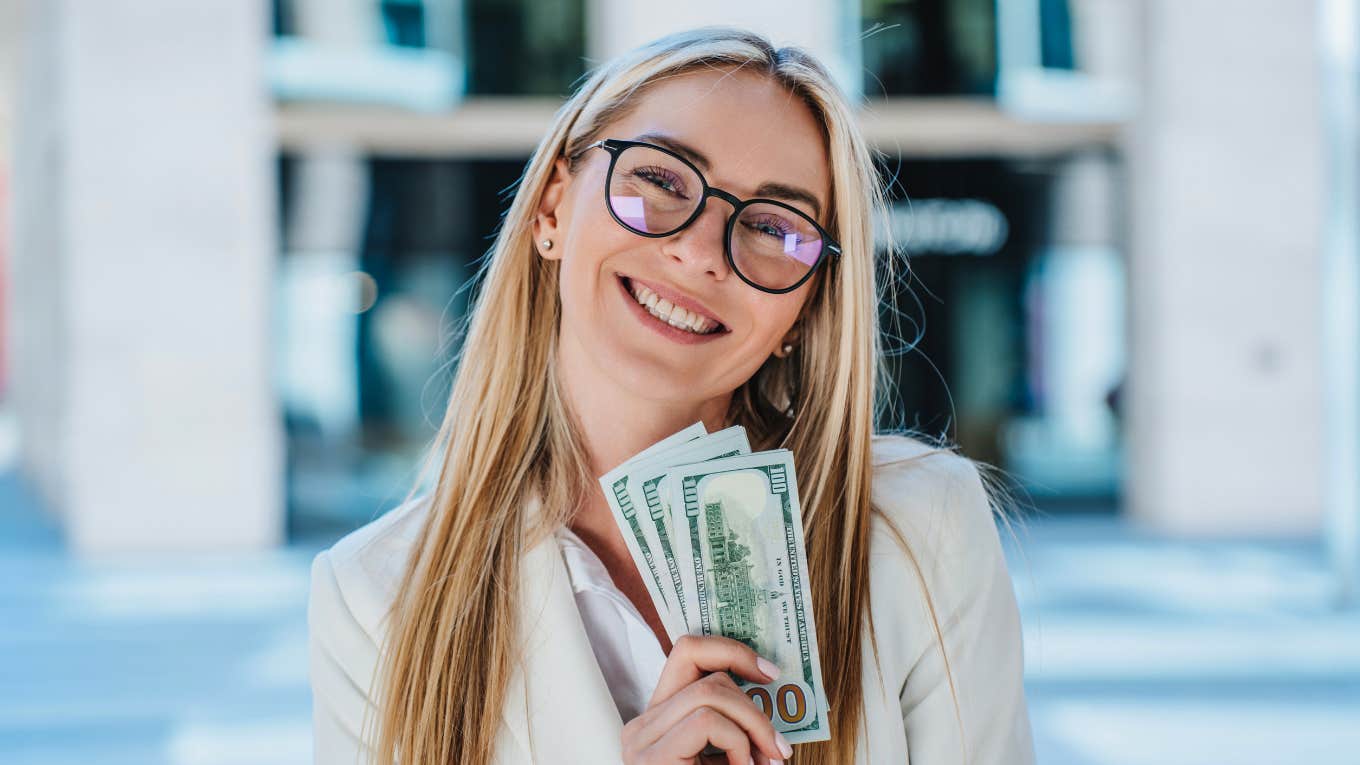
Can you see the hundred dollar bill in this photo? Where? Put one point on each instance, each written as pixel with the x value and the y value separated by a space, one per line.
pixel 644 482
pixel 632 517
pixel 739 533
pixel 622 505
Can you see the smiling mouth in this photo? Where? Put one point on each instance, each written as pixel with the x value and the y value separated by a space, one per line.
pixel 675 316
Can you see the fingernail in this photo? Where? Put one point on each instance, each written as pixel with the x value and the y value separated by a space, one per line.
pixel 767 667
pixel 784 747
pixel 776 762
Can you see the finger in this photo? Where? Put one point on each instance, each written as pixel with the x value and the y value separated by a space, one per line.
pixel 718 692
pixel 694 656
pixel 635 739
pixel 698 729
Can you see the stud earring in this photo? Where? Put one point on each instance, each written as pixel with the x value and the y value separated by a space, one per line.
pixel 547 244
pixel 787 349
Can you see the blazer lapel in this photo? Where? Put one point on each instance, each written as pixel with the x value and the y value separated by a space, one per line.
pixel 558 707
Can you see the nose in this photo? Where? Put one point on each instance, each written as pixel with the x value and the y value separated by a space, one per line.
pixel 699 246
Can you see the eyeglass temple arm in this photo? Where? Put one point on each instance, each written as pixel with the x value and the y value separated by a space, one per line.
pixel 585 149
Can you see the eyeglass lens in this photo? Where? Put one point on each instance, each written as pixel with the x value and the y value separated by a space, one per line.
pixel 653 192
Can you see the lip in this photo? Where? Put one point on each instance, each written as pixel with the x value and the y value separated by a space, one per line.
pixel 660 327
pixel 677 298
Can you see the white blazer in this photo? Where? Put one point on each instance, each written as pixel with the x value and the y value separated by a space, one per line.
pixel 559 709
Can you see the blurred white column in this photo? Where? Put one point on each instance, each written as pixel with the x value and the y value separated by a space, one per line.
pixel 1224 409
pixel 11 32
pixel 1340 33
pixel 830 30
pixel 11 29
pixel 143 272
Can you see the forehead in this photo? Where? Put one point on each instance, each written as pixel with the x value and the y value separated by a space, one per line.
pixel 751 129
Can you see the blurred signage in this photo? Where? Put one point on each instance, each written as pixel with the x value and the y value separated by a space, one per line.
pixel 942 226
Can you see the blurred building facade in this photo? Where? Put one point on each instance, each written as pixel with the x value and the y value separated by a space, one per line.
pixel 985 206
pixel 138 322
pixel 1112 212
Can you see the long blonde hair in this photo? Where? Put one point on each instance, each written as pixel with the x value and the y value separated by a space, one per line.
pixel 507 434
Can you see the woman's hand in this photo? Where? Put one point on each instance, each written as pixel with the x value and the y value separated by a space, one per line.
pixel 696 704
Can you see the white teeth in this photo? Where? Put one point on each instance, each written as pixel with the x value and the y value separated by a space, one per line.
pixel 671 314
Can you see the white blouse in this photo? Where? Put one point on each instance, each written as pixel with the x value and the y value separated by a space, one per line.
pixel 951 596
pixel 629 655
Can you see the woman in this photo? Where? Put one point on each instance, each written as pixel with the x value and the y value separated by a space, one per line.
pixel 472 624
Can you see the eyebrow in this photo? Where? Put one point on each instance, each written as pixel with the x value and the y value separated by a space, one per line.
pixel 770 189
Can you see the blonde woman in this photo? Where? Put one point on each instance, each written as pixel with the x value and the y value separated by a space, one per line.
pixel 498 617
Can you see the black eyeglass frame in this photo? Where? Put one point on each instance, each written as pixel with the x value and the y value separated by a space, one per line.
pixel 616 146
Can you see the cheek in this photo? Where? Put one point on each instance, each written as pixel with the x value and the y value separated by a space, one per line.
pixel 587 287
pixel 773 315
pixel 593 237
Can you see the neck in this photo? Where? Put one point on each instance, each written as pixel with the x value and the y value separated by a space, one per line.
pixel 617 421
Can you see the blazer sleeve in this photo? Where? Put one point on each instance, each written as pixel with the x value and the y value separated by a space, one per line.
pixel 979 623
pixel 341 658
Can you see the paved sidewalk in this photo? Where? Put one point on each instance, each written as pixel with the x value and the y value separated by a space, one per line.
pixel 1141 650
pixel 190 660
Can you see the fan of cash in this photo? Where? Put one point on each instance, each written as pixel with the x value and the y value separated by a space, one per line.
pixel 717 534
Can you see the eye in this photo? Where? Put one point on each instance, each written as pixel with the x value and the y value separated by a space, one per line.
pixel 770 225
pixel 661 178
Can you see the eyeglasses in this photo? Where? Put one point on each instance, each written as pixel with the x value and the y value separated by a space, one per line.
pixel 654 192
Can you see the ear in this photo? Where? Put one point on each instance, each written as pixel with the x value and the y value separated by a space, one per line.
pixel 545 219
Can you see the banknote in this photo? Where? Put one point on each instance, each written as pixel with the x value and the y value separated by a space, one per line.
pixel 644 483
pixel 621 504
pixel 629 512
pixel 739 539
